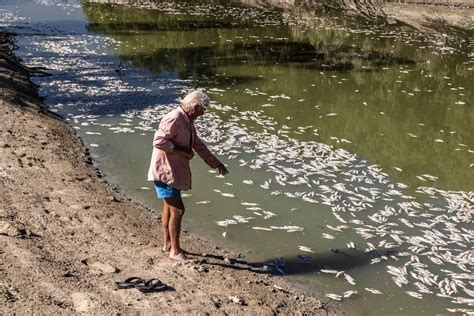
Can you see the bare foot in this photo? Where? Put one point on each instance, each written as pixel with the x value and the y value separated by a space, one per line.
pixel 166 247
pixel 179 257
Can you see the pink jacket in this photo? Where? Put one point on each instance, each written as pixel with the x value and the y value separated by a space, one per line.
pixel 172 167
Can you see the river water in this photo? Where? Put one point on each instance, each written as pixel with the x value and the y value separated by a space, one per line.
pixel 350 143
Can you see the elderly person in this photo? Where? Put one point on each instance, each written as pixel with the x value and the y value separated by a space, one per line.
pixel 173 146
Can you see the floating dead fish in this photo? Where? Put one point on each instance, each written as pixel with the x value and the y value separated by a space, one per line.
pixel 248 204
pixel 304 248
pixel 242 219
pixel 335 297
pixel 414 294
pixel 254 208
pixel 262 228
pixel 374 291
pixel 289 229
pixel 268 214
pixel 327 236
pixel 226 222
pixel 228 195
pixel 349 279
pixel 203 202
pixel 348 294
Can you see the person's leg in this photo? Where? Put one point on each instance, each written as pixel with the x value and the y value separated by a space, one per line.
pixel 165 219
pixel 176 208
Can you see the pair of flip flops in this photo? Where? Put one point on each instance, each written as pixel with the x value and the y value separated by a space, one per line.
pixel 144 286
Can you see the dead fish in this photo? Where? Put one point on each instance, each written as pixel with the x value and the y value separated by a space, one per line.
pixel 374 291
pixel 327 236
pixel 203 202
pixel 348 294
pixel 304 248
pixel 335 297
pixel 349 279
pixel 414 294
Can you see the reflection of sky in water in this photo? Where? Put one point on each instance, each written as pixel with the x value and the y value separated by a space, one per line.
pixel 291 195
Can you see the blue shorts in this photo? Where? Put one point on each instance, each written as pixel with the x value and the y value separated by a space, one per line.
pixel 165 191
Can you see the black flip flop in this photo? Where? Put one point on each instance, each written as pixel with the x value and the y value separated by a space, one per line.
pixel 130 283
pixel 152 285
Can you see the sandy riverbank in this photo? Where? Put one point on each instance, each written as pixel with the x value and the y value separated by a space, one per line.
pixel 438 19
pixel 443 17
pixel 66 236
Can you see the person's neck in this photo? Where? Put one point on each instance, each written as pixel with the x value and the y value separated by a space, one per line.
pixel 190 116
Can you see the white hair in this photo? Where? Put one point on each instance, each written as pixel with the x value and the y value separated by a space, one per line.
pixel 194 99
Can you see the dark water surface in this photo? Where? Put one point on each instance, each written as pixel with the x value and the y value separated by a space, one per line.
pixel 350 143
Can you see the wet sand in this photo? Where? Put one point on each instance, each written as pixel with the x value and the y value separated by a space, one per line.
pixel 66 236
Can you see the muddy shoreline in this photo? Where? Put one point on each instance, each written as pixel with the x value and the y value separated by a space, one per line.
pixel 438 19
pixel 441 17
pixel 66 236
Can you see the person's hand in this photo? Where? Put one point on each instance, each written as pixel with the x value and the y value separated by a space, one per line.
pixel 222 169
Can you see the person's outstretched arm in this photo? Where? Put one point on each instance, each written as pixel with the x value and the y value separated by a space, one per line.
pixel 208 157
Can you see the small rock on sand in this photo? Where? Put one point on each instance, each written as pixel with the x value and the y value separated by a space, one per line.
pixel 237 300
pixel 82 302
pixel 101 266
pixel 8 229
